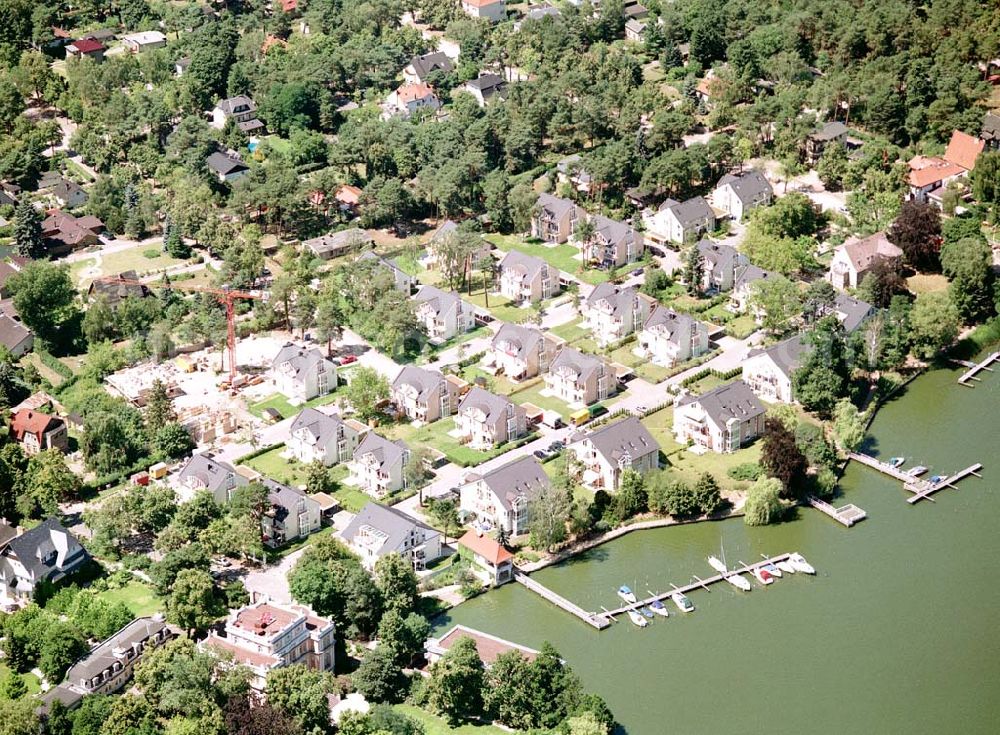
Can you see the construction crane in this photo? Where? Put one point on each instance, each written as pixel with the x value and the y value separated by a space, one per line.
pixel 226 296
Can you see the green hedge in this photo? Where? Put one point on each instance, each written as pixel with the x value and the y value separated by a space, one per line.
pixel 53 364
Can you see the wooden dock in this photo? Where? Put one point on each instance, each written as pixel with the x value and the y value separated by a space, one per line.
pixel 969 375
pixel 697 585
pixel 596 620
pixel 924 488
pixel 847 515
pixel 884 467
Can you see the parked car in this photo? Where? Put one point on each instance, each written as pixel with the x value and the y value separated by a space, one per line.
pixel 348 359
pixel 556 446
pixel 638 271
pixel 542 454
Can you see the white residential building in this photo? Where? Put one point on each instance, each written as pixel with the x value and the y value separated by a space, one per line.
pixel 303 373
pixel 379 530
pixel 501 497
pixel 612 449
pixel 378 465
pixel 668 338
pixel 443 314
pixel 614 312
pixel 486 420
pixel 318 437
pixel 722 420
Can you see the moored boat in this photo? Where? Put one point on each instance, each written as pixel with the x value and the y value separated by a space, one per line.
pixel 763 576
pixel 801 565
pixel 682 601
pixel 936 479
pixel 659 608
pixel 637 618
pixel 896 461
pixel 626 594
pixel 786 566
pixel 916 471
pixel 739 582
pixel 772 570
pixel 717 564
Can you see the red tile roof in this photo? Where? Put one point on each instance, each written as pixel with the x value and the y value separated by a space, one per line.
pixel 27 421
pixel 348 194
pixel 487 548
pixel 488 646
pixel 963 150
pixel 88 45
pixel 925 171
pixel 411 92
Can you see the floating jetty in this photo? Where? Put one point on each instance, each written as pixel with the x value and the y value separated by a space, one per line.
pixel 847 515
pixel 920 489
pixel 596 620
pixel 969 375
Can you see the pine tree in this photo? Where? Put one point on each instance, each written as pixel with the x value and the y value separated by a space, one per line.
pixel 27 231
pixel 694 270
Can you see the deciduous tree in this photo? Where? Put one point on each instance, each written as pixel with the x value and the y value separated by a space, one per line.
pixel 763 503
pixel 917 232
pixel 781 457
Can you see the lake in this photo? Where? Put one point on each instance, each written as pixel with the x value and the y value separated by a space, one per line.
pixel 895 633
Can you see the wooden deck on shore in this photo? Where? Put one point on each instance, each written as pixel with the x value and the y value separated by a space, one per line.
pixel 697 585
pixel 920 489
pixel 847 515
pixel 969 375
pixel 596 620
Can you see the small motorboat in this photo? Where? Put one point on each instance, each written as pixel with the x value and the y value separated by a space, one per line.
pixel 637 618
pixel 916 471
pixel 896 461
pixel 786 566
pixel 763 576
pixel 936 479
pixel 739 582
pixel 659 608
pixel 682 601
pixel 801 565
pixel 626 594
pixel 772 570
pixel 647 612
pixel 717 564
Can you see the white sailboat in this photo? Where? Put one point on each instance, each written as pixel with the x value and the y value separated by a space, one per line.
pixel 786 566
pixel 717 564
pixel 637 618
pixel 740 583
pixel 801 565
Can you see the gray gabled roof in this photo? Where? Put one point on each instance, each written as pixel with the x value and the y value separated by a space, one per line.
pixel 854 311
pixel 527 265
pixel 492 405
pixel 46 550
pixel 830 131
pixel 691 211
pixel 991 127
pixel 434 61
pixel 620 299
pixel 223 164
pixel 209 472
pixel 102 656
pixel 749 273
pixel 523 477
pixel 12 332
pixel 720 257
pixel 487 83
pixel 238 104
pixel 383 263
pixel 385 452
pixel 300 359
pixel 581 363
pixel 442 302
pixel 554 208
pixel 524 339
pixel 748 185
pixel 786 355
pixel 675 323
pixel 628 436
pixel 284 498
pixel 537 12
pixel 427 383
pixel 322 427
pixel 395 524
pixel 730 401
pixel 612 231
pixel 447 228
pixel 339 240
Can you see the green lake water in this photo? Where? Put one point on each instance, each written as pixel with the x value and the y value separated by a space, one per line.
pixel 895 634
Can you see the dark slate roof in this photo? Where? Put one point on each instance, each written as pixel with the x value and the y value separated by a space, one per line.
pixel 691 211
pixel 730 401
pixel 118 290
pixel 491 404
pixel 628 436
pixel 383 262
pixel 747 186
pixel 395 524
pixel 854 311
pixel 787 355
pixel 612 231
pixel 554 208
pixel 747 274
pixel 426 382
pixel 522 477
pixel 830 131
pixel 487 83
pixel 47 549
pixel 102 656
pixel 223 164
pixel 528 265
pixel 676 324
pixel 447 228
pixel 442 302
pixel 720 257
pixel 210 473
pixel 323 428
pixel 620 299
pixel 579 362
pixel 283 498
pixel 385 452
pixel 537 12
pixel 299 359
pixel 12 332
pixel 522 339
pixel 991 127
pixel 238 104
pixel 434 61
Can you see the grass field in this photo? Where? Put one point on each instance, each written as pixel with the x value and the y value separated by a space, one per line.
pixel 571 331
pixel 433 725
pixel 500 307
pixel 436 435
pixel 139 596
pixel 286 409
pixel 926 283
pixel 272 464
pixel 124 260
pixel 558 256
pixel 31 681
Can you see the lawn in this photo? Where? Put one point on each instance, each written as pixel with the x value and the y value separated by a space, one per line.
pixel 34 686
pixel 564 257
pixel 498 384
pixel 690 466
pixel 660 425
pixel 286 409
pixel 433 725
pixel 709 382
pixel 926 283
pixel 533 394
pixel 500 307
pixel 435 434
pixel 139 596
pixel 643 367
pixel 272 464
pixel 571 331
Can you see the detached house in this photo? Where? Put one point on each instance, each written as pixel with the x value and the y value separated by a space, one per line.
pixel 145 41
pixel 378 531
pixel 64 233
pixel 668 338
pixel 303 373
pixel 402 280
pixel 527 279
pixel 738 194
pixel 746 275
pixel 768 372
pixel 554 219
pixel 680 222
pixel 609 451
pixel 831 133
pixel 443 314
pixel 292 515
pixel 578 378
pixel 486 87
pixel 407 99
pixel 613 245
pixel 45 553
pixel 15 336
pixel 36 431
pixel 851 312
pixel 990 134
pixel 316 437
pixel 424 395
pixel 501 498
pixel 491 10
pixel 722 420
pixel 226 167
pixel 486 420
pixel 421 67
pixel 377 465
pixel 929 175
pixel 521 353
pixel 614 312
pixel 852 260
pixel 339 243
pixel 720 263
pixel 90 47
pixel 205 473
pixel 490 562
pixel 240 108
